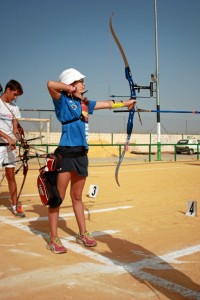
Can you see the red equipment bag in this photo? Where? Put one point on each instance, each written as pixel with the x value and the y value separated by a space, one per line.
pixel 47 181
pixel 53 162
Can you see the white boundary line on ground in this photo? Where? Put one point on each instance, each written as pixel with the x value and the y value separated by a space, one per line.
pixel 35 219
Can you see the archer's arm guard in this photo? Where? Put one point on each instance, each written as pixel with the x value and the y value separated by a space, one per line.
pixel 117 104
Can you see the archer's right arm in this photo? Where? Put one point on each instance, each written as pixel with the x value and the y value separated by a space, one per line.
pixel 55 88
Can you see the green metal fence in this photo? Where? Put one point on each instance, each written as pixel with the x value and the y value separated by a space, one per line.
pixel 148 152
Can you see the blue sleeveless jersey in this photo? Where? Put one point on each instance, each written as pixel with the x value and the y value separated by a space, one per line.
pixel 74 133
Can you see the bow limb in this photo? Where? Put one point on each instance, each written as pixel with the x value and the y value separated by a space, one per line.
pixel 128 76
pixel 25 171
pixel 24 157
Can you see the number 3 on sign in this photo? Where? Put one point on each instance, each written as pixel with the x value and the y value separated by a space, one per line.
pixel 93 190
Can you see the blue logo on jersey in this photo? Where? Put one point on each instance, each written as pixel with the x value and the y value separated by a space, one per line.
pixel 73 105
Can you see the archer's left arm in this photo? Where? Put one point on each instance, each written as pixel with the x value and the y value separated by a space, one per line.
pixel 111 104
pixel 15 126
pixel 16 129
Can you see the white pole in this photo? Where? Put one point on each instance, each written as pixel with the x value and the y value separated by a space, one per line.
pixel 157 84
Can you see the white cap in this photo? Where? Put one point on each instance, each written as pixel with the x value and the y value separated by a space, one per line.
pixel 68 76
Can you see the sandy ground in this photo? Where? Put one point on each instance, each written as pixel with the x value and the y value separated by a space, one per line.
pixel 148 248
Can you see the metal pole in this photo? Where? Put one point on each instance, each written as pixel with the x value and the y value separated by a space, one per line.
pixel 157 84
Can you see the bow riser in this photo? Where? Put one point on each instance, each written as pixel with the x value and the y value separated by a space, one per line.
pixel 130 123
pixel 128 76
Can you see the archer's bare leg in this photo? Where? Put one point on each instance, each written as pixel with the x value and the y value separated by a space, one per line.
pixel 53 221
pixel 77 185
pixel 16 207
pixel 10 176
pixel 54 243
pixel 62 183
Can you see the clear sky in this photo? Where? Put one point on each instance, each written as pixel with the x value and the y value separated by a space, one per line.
pixel 41 38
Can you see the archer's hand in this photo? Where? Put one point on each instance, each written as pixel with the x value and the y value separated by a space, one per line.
pixel 12 144
pixel 132 104
pixel 78 95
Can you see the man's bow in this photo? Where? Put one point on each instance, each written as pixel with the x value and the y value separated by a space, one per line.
pixel 23 156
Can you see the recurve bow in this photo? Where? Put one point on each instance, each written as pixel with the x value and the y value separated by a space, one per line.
pixel 128 76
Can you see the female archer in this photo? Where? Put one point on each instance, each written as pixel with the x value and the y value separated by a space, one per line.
pixel 72 110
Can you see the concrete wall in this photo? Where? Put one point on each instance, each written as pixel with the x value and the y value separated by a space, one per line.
pixel 120 138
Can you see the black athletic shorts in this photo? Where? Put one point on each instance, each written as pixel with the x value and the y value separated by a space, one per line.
pixel 74 159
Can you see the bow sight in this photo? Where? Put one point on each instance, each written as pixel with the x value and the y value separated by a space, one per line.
pixel 137 87
pixel 141 87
